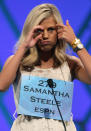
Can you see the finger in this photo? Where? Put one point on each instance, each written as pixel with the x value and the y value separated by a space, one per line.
pixel 31 33
pixel 37 31
pixel 38 37
pixel 60 30
pixel 67 23
pixel 34 41
pixel 60 36
pixel 37 27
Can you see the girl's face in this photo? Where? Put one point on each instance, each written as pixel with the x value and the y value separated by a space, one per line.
pixel 49 34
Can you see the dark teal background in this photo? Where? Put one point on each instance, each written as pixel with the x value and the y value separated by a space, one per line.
pixel 12 16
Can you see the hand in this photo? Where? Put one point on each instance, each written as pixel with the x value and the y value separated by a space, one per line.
pixel 65 32
pixel 33 37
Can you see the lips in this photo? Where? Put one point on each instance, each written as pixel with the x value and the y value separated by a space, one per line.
pixel 45 42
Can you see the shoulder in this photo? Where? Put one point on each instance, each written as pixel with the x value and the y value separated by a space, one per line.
pixel 75 65
pixel 8 60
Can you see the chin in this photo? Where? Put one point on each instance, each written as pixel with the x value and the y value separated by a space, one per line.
pixel 46 48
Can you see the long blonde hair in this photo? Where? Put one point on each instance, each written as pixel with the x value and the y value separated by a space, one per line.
pixel 37 14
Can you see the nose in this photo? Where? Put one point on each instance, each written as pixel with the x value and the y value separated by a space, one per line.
pixel 45 34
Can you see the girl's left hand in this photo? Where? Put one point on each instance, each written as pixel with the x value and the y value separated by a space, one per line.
pixel 65 32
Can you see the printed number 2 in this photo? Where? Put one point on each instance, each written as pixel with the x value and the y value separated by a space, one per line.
pixel 43 83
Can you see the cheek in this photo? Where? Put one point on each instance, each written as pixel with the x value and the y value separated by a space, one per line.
pixel 54 38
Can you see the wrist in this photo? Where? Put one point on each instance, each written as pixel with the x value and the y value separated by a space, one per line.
pixel 23 47
pixel 77 45
pixel 21 51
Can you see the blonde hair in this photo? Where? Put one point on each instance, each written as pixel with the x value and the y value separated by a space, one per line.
pixel 38 14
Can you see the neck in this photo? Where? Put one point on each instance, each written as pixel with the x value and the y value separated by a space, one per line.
pixel 45 56
pixel 46 59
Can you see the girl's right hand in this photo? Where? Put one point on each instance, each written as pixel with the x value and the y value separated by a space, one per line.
pixel 33 37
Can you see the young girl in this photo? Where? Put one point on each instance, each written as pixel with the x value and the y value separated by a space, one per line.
pixel 41 52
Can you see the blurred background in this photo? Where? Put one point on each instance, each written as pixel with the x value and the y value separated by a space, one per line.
pixel 12 16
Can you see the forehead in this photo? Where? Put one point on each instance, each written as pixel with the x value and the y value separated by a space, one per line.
pixel 50 21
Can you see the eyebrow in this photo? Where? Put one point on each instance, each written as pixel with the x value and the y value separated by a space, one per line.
pixel 54 27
